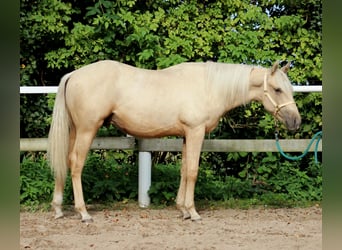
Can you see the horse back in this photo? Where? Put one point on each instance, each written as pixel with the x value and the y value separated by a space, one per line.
pixel 146 103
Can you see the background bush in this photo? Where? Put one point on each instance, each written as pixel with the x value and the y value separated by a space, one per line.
pixel 108 177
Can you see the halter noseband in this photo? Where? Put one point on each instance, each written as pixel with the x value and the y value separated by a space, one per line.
pixel 277 107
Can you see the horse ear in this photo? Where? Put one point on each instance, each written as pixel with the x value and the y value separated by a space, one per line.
pixel 286 68
pixel 274 67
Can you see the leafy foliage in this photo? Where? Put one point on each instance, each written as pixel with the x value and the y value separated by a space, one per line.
pixel 163 33
pixel 36 181
pixel 108 176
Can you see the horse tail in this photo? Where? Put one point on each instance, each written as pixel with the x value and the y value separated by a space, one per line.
pixel 58 141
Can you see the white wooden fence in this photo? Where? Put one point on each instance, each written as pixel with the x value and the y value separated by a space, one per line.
pixel 146 146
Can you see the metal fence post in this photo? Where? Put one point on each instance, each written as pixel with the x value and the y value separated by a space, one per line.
pixel 145 166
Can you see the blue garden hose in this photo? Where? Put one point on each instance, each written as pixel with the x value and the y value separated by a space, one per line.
pixel 317 137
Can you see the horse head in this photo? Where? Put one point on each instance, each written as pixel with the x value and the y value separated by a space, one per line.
pixel 278 96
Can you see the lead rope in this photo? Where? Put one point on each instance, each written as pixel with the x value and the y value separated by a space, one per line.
pixel 277 107
pixel 317 136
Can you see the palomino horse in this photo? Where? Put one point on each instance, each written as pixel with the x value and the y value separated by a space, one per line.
pixel 184 100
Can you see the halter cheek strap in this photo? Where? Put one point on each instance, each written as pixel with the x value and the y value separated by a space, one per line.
pixel 276 106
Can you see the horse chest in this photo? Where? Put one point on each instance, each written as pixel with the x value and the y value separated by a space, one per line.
pixel 211 125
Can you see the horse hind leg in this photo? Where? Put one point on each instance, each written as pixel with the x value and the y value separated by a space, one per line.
pixel 77 159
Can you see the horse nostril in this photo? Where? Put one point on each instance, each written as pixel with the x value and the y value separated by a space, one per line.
pixel 294 124
pixel 297 123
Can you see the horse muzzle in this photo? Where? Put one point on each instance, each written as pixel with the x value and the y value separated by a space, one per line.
pixel 293 123
pixel 290 117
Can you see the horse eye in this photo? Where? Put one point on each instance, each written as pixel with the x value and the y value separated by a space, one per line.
pixel 278 90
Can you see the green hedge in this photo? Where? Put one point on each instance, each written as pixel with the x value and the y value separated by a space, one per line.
pixel 109 177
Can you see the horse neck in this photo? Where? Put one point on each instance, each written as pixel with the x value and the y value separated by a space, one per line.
pixel 231 83
pixel 256 84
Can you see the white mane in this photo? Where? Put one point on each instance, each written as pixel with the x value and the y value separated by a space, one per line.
pixel 231 80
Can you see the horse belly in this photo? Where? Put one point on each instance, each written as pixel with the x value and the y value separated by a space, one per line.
pixel 145 126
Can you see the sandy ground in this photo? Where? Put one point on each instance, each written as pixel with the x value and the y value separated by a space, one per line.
pixel 134 228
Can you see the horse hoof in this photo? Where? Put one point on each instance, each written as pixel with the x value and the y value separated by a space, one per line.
pixel 186 216
pixel 59 216
pixel 88 220
pixel 196 218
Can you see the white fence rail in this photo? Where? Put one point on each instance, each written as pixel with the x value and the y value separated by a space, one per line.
pixel 146 146
pixel 53 89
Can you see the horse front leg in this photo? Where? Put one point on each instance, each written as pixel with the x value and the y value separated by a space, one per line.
pixel 180 201
pixel 194 141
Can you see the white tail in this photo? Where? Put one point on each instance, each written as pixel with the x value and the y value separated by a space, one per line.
pixel 58 143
